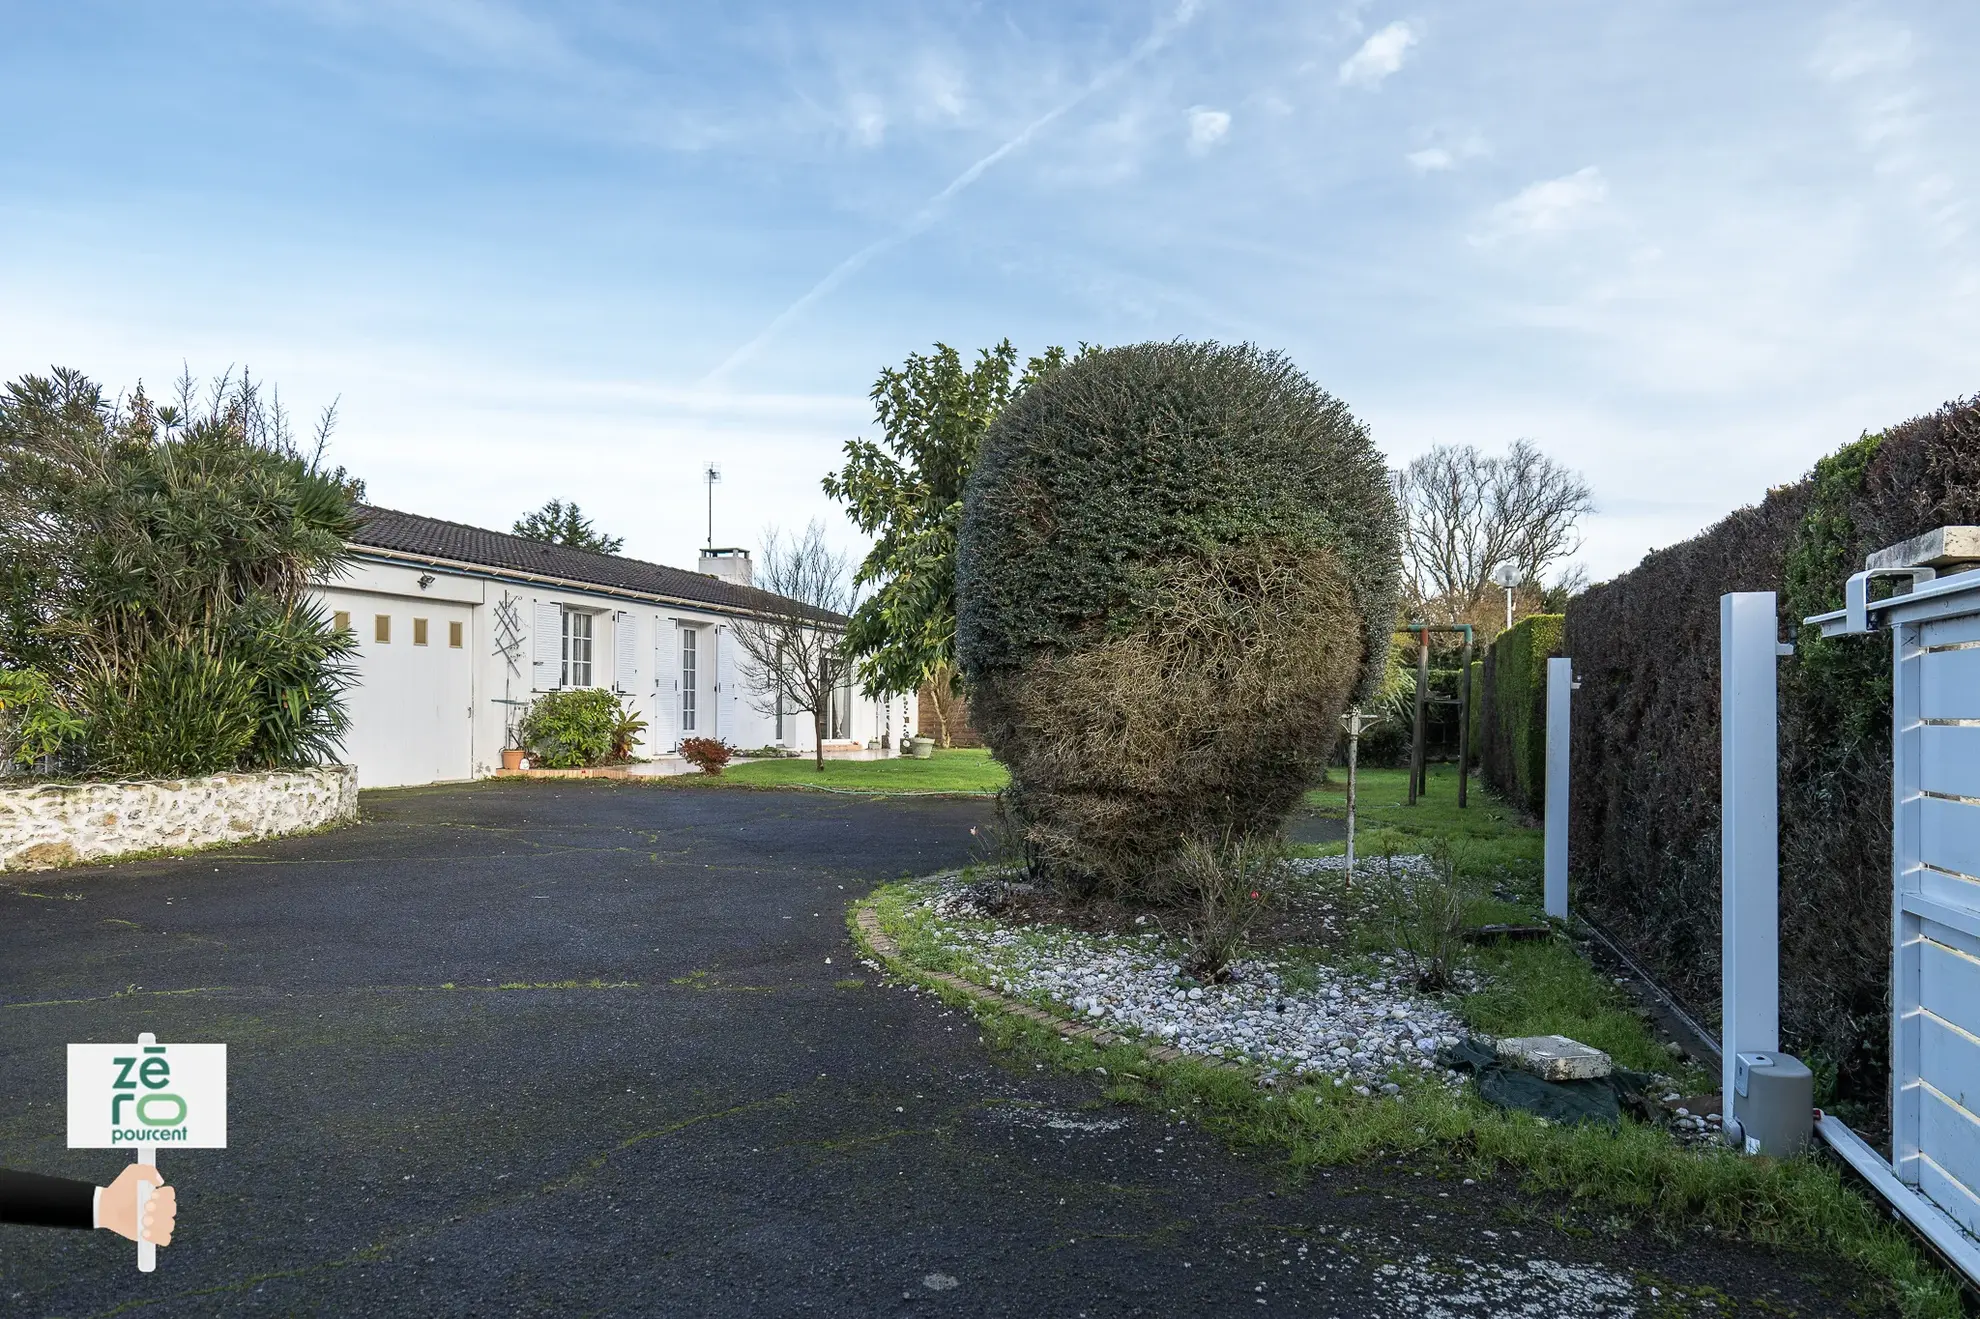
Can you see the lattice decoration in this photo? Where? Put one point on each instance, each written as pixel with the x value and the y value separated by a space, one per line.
pixel 509 632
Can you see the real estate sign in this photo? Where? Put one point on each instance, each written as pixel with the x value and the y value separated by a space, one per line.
pixel 122 1096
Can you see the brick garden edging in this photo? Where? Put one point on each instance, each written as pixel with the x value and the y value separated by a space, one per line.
pixel 888 951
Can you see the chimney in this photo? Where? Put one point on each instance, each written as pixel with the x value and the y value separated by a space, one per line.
pixel 731 565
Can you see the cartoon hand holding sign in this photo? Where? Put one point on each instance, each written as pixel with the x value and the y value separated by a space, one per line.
pixel 138 1097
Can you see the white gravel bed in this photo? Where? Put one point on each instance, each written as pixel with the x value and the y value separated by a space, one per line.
pixel 1359 1030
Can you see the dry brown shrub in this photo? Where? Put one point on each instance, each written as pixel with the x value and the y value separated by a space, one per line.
pixel 1207 720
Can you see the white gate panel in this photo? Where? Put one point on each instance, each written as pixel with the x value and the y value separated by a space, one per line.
pixel 1956 630
pixel 1951 1061
pixel 1949 834
pixel 1948 1194
pixel 1949 1140
pixel 1935 879
pixel 1950 687
pixel 1949 984
pixel 1950 756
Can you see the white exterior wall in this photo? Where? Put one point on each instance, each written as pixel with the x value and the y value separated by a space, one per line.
pixel 434 713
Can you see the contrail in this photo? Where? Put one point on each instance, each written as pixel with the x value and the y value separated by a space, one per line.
pixel 931 210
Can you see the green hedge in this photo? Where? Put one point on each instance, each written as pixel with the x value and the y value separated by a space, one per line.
pixel 1645 828
pixel 1513 740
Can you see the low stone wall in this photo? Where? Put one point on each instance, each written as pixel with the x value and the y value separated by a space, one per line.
pixel 59 824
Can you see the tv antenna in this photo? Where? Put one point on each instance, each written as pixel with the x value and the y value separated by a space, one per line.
pixel 712 474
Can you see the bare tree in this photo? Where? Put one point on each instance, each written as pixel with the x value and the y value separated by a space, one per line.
pixel 793 645
pixel 1465 514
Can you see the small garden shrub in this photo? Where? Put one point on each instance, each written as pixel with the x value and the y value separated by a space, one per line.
pixel 34 724
pixel 1224 885
pixel 706 754
pixel 577 728
pixel 1177 563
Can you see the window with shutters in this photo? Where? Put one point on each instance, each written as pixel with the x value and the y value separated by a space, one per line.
pixel 454 635
pixel 419 632
pixel 689 675
pixel 577 648
pixel 341 620
pixel 381 629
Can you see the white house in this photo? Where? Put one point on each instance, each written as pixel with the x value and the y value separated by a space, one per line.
pixel 459 628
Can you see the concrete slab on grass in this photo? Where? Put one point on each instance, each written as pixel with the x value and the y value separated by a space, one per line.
pixel 1555 1058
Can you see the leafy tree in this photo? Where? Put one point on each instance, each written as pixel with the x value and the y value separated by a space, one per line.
pixel 558 523
pixel 906 491
pixel 161 560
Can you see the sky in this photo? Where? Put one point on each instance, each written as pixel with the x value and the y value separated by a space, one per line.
pixel 584 249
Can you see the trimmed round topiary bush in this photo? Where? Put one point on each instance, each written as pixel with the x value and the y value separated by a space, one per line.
pixel 1178 562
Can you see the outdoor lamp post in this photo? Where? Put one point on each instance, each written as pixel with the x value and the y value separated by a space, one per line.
pixel 1506 575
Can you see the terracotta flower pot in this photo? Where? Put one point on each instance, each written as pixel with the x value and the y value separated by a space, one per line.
pixel 513 759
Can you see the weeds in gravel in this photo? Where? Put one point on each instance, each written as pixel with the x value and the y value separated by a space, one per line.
pixel 1424 916
pixel 1224 887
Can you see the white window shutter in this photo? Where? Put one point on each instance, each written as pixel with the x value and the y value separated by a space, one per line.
pixel 728 702
pixel 666 683
pixel 547 670
pixel 625 652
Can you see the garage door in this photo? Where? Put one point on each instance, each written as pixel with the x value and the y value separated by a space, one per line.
pixel 412 708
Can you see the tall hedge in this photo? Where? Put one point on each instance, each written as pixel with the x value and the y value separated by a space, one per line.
pixel 1177 563
pixel 1645 825
pixel 1512 750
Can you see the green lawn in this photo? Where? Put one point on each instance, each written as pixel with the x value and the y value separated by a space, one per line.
pixel 947 771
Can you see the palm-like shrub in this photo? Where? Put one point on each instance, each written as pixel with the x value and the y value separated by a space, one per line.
pixel 1177 563
pixel 158 563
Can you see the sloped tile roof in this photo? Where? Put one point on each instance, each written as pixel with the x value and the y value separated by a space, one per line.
pixel 408 533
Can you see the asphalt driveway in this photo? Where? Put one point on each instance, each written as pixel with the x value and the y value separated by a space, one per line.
pixel 595 1049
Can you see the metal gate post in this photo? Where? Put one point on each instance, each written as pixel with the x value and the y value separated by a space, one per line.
pixel 1749 828
pixel 1464 719
pixel 1419 772
pixel 1560 688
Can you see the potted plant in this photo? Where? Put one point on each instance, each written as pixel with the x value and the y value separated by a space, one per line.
pixel 924 747
pixel 515 758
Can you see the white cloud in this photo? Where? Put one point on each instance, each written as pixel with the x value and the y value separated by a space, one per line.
pixel 866 120
pixel 1379 56
pixel 1449 154
pixel 1549 206
pixel 1207 127
pixel 1871 67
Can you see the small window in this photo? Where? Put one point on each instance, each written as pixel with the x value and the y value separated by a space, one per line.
pixel 341 620
pixel 381 629
pixel 689 676
pixel 419 632
pixel 454 635
pixel 577 648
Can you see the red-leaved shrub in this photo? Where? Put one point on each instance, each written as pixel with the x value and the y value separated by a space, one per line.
pixel 706 754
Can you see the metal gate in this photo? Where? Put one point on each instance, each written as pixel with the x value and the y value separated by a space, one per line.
pixel 1935 870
